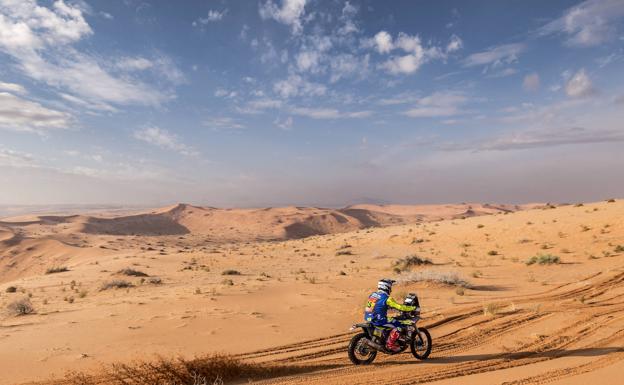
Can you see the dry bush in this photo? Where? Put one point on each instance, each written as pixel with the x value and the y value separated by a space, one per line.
pixel 208 370
pixel 442 277
pixel 56 269
pixel 132 273
pixel 231 272
pixel 544 259
pixel 11 289
pixel 619 249
pixel 20 307
pixel 116 284
pixel 408 262
pixel 493 308
pixel 343 252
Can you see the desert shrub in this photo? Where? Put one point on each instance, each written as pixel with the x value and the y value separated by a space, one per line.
pixel 57 269
pixel 408 262
pixel 11 289
pixel 342 273
pixel 611 200
pixel 211 369
pixel 227 282
pixel 132 272
pixel 619 249
pixel 344 252
pixel 492 252
pixel 543 259
pixel 480 226
pixel 230 272
pixel 20 307
pixel 155 281
pixel 116 284
pixel 441 277
pixel 493 308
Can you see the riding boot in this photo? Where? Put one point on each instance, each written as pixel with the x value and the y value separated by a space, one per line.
pixel 391 344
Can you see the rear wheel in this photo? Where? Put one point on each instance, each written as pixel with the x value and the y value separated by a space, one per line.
pixel 421 344
pixel 359 352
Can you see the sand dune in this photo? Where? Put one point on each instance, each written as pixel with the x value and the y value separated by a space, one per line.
pixel 293 300
pixel 255 224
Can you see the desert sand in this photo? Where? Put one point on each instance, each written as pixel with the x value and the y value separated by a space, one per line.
pixel 299 281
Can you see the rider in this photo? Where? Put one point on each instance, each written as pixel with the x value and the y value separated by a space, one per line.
pixel 377 309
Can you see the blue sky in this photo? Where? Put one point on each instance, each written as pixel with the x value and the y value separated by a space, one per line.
pixel 310 102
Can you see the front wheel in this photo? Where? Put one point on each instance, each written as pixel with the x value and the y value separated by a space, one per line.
pixel 359 352
pixel 421 344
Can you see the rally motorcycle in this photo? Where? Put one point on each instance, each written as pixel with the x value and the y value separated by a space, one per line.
pixel 364 346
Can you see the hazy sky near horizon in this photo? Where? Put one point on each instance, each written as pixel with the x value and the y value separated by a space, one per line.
pixel 310 102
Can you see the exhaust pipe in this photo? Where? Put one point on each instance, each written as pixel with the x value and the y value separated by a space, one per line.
pixel 373 345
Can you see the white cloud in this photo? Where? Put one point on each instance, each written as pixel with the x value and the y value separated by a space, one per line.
pixel 285 124
pixel 163 139
pixel 308 61
pixel 328 113
pixel 290 13
pixel 552 137
pixel 349 26
pixel 346 65
pixel 409 63
pixel 587 24
pixel 531 82
pixel 579 85
pixel 455 44
pixel 134 64
pixel 223 123
pixel 12 87
pixel 24 115
pixel 39 40
pixel 93 106
pixel 295 85
pixel 15 158
pixel 501 54
pixel 383 42
pixel 213 16
pixel 438 104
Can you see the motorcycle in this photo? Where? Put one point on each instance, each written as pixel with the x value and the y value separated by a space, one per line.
pixel 364 346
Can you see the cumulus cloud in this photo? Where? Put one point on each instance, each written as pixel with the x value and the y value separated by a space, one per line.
pixel 438 104
pixel 163 139
pixel 20 114
pixel 531 82
pixel 579 85
pixel 383 42
pixel 415 54
pixel 289 13
pixel 589 23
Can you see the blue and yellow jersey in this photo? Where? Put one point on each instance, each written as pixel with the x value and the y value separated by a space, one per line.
pixel 376 310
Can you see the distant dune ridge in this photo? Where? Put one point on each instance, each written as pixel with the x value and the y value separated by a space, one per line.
pixel 33 243
pixel 230 225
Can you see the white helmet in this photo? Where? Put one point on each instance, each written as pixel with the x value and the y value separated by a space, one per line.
pixel 385 285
